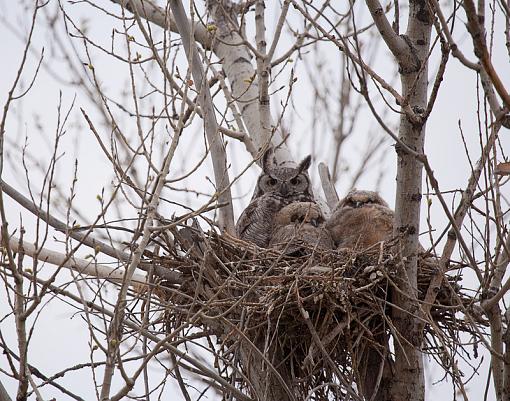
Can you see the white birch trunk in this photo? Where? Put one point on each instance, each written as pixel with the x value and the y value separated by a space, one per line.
pixel 237 64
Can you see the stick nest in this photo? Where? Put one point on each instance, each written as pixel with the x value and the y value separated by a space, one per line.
pixel 318 312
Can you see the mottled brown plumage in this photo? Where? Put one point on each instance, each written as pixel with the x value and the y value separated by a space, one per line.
pixel 276 188
pixel 360 220
pixel 298 227
pixel 256 222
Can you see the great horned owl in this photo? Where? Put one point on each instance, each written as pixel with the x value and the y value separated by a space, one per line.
pixel 360 220
pixel 300 226
pixel 276 187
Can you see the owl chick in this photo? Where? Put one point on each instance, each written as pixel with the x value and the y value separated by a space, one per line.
pixel 276 187
pixel 298 226
pixel 360 220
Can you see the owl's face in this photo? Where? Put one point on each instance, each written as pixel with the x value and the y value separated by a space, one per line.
pixel 286 182
pixel 361 220
pixel 357 199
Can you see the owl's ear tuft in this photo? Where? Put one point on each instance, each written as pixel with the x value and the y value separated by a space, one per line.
pixel 266 160
pixel 305 163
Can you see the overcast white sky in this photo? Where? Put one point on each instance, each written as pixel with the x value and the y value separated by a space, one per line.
pixel 61 337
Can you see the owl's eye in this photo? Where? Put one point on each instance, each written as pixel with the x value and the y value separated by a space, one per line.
pixel 271 182
pixel 295 181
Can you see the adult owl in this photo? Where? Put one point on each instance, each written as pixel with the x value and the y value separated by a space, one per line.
pixel 360 220
pixel 299 227
pixel 276 187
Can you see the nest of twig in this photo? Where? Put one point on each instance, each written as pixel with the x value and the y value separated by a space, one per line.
pixel 318 311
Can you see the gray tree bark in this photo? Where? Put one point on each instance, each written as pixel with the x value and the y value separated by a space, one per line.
pixel 408 380
pixel 218 154
pixel 411 51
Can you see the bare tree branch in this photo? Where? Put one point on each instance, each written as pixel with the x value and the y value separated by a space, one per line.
pixel 397 44
pixel 327 186
pixel 481 51
pixel 163 18
pixel 77 234
pixel 219 158
pixel 83 266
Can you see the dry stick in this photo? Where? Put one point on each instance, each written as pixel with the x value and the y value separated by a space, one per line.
pixel 240 136
pixel 498 111
pixel 262 356
pixel 218 155
pixel 327 186
pixel 85 238
pixel 340 132
pixel 122 393
pixel 455 49
pixel 117 167
pixel 4 396
pixel 19 299
pixel 160 17
pixel 342 45
pixel 263 70
pixel 124 177
pixel 20 317
pixel 481 51
pixel 396 43
pixel 445 56
pixel 115 328
pixel 211 320
pixel 36 391
pixel 190 321
pixel 142 149
pixel 317 341
pixel 319 387
pixel 494 314
pixel 82 266
pixel 116 325
pixel 458 218
pixel 499 368
pixel 278 30
pixel 492 308
pixel 226 219
pixel 243 136
pixel 200 367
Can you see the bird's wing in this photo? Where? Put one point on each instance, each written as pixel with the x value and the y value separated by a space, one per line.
pixel 246 218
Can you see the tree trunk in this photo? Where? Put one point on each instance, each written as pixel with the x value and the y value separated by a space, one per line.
pixel 408 378
pixel 236 62
pixel 411 52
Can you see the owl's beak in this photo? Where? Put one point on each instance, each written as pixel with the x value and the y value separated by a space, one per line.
pixel 283 189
